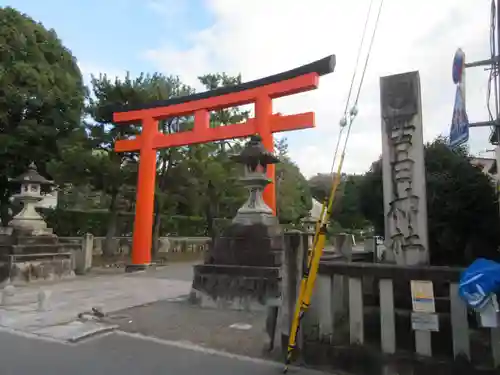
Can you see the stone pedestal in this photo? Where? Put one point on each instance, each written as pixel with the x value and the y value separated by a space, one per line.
pixel 241 270
pixel 27 256
pixel 235 287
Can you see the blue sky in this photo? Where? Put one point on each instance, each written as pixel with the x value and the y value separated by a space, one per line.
pixel 262 37
pixel 114 34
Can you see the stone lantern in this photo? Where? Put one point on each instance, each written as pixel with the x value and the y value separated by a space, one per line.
pixel 311 221
pixel 309 224
pixel 242 268
pixel 255 159
pixel 29 251
pixel 29 195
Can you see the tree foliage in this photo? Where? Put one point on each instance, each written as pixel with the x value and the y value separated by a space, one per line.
pixel 48 116
pixel 462 206
pixel 349 215
pixel 41 97
pixel 346 211
pixel 294 198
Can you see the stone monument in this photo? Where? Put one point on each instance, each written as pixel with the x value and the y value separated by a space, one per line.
pixel 403 176
pixel 403 169
pixel 29 250
pixel 241 270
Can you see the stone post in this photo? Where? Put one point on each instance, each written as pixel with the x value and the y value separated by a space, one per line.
pixel 370 244
pixel 403 169
pixel 343 245
pixel 291 274
pixel 309 224
pixel 7 295
pixel 84 257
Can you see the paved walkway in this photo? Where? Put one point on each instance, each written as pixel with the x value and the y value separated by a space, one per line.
pixel 68 299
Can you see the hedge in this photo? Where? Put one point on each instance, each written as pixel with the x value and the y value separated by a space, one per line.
pixel 75 223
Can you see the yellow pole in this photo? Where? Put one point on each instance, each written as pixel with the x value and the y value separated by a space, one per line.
pixel 313 260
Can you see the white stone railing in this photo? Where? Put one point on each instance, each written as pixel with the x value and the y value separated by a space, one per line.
pixel 360 319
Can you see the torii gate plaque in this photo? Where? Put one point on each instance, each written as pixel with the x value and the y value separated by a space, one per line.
pixel 261 92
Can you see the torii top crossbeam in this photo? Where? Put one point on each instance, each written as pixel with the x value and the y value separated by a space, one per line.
pixel 260 92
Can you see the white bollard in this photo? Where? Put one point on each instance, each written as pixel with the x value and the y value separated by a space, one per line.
pixel 43 300
pixel 8 295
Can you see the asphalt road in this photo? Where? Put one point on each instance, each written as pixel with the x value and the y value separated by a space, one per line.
pixel 125 355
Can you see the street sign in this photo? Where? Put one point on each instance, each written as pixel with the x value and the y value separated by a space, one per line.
pixel 459 132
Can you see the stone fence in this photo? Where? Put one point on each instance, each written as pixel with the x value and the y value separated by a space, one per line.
pixel 90 246
pixel 123 245
pixel 361 320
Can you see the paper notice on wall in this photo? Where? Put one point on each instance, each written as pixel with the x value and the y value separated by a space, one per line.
pixel 421 321
pixel 422 296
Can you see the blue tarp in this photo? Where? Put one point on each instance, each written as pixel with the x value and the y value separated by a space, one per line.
pixel 479 281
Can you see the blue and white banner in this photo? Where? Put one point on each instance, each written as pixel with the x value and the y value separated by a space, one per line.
pixel 459 132
pixel 479 282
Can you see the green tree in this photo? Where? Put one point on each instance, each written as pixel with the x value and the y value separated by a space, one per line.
pixel 462 206
pixel 226 116
pixel 293 194
pixel 143 89
pixel 371 197
pixel 321 186
pixel 41 99
pixel 349 215
pixel 93 161
pixel 347 210
pixel 208 166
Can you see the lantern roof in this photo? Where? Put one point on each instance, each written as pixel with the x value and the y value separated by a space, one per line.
pixel 254 153
pixel 32 176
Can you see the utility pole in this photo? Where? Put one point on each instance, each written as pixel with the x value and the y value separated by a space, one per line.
pixel 494 66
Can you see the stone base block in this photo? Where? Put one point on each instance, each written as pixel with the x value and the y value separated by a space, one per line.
pixel 235 287
pixel 129 268
pixel 255 245
pixel 24 270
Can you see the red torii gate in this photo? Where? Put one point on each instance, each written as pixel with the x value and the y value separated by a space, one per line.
pixel 261 92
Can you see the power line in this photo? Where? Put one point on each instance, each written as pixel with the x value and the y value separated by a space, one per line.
pixel 357 58
pixel 354 110
pixel 369 51
pixel 314 254
pixel 349 117
pixel 492 56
